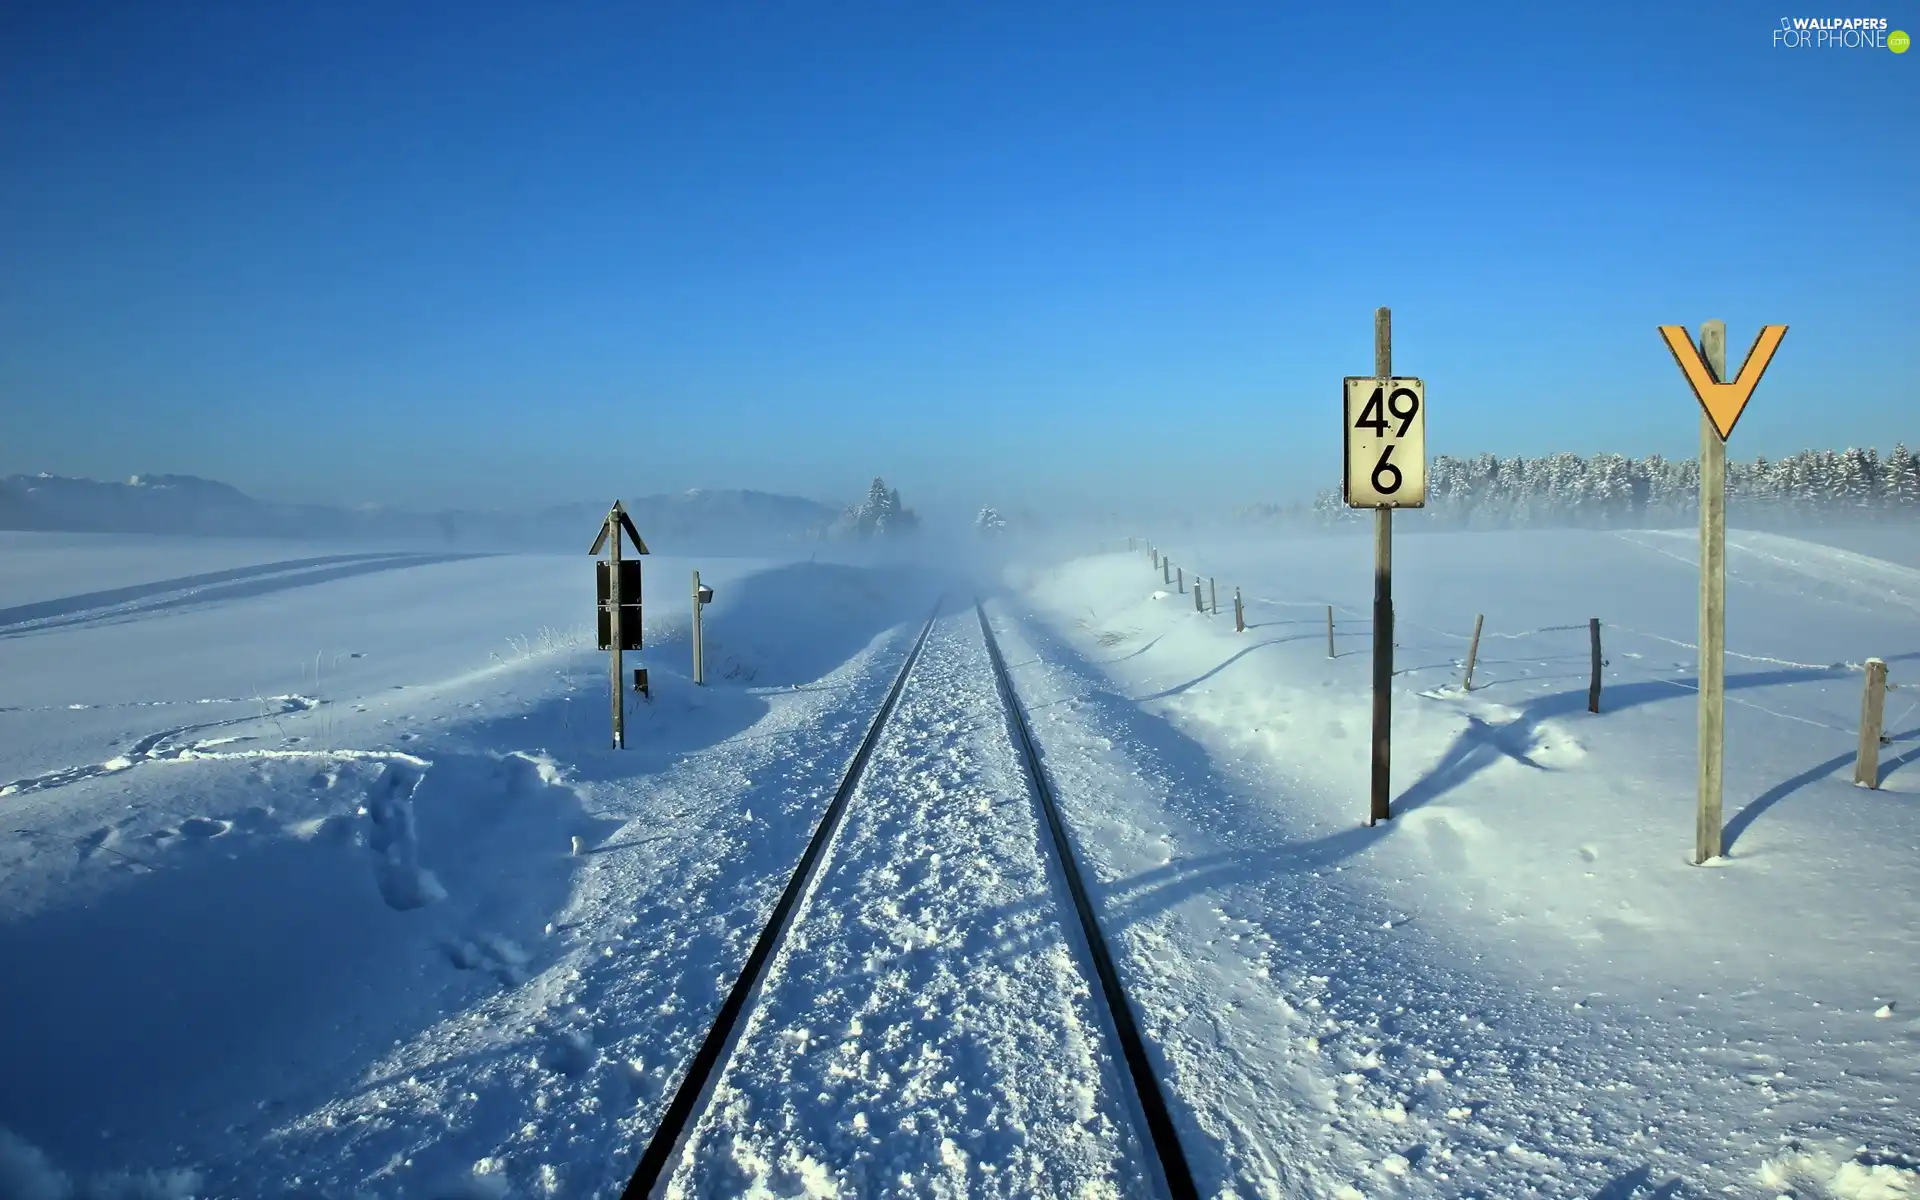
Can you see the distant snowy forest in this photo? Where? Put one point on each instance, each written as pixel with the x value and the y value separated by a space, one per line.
pixel 1811 487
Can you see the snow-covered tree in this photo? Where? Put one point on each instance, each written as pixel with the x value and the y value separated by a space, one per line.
pixel 1330 508
pixel 1900 479
pixel 881 514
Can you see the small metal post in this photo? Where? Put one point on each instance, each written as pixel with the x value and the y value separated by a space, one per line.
pixel 1166 569
pixel 699 636
pixel 1198 598
pixel 1181 572
pixel 1330 650
pixel 1473 651
pixel 1213 596
pixel 1593 688
pixel 1239 613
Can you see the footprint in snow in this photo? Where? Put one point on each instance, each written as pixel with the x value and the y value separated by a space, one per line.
pixel 254 818
pixel 569 1053
pixel 91 843
pixel 500 957
pixel 629 1083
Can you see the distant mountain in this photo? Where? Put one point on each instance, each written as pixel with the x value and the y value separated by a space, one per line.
pixel 731 520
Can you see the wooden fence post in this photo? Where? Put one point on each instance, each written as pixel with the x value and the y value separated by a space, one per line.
pixel 1213 596
pixel 1593 688
pixel 1199 598
pixel 1166 569
pixel 1866 767
pixel 1239 613
pixel 1473 651
pixel 1330 653
pixel 1181 572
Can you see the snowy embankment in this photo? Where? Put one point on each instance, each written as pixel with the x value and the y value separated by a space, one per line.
pixel 1519 985
pixel 287 903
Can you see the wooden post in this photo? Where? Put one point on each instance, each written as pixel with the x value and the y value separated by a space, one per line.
pixel 1239 613
pixel 1166 569
pixel 1381 808
pixel 1713 607
pixel 1181 572
pixel 1593 687
pixel 1198 598
pixel 1473 651
pixel 1330 653
pixel 1129 545
pixel 1213 596
pixel 1866 767
pixel 699 640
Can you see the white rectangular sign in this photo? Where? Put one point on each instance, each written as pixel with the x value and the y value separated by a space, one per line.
pixel 1386 442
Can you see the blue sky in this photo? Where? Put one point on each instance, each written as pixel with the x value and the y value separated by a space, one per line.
pixel 1108 256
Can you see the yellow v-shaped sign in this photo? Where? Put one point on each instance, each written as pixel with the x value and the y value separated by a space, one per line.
pixel 1723 401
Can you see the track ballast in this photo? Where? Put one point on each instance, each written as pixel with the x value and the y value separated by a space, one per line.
pixel 1078 946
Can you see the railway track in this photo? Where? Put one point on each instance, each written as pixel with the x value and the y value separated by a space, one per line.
pixel 1147 1101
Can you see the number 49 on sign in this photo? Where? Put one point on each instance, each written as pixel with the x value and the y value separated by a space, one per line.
pixel 1386 443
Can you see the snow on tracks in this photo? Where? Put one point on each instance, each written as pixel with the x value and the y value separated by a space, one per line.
pixel 550 1086
pixel 926 1024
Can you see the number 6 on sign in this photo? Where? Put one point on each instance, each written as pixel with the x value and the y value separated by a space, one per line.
pixel 1386 443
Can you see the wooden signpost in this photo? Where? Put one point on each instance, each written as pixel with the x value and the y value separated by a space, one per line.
pixel 1721 403
pixel 618 608
pixel 1384 467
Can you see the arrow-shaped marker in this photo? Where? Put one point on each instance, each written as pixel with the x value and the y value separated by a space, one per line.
pixel 1723 401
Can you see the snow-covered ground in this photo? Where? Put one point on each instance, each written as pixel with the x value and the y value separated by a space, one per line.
pixel 288 905
pixel 1518 985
